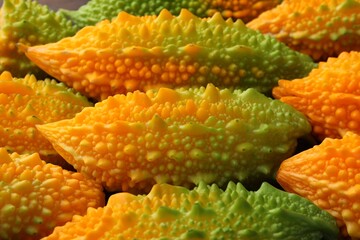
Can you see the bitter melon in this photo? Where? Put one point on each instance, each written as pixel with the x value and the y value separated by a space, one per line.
pixel 35 196
pixel 328 175
pixel 31 23
pixel 207 212
pixel 137 53
pixel 318 28
pixel 181 136
pixel 95 11
pixel 329 96
pixel 26 102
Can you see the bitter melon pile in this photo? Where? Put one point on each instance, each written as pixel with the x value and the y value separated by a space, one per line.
pixel 179 119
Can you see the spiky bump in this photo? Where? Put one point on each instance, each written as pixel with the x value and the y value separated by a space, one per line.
pixel 36 196
pixel 329 96
pixel 25 102
pixel 30 23
pixel 137 53
pixel 328 175
pixel 317 28
pixel 206 212
pixel 95 11
pixel 244 10
pixel 178 136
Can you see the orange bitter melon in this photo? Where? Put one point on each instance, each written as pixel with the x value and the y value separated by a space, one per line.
pixel 318 28
pixel 328 175
pixel 26 102
pixel 35 196
pixel 329 96
pixel 179 136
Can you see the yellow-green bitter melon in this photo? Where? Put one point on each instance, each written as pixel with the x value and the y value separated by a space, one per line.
pixel 96 10
pixel 137 53
pixel 206 212
pixel 31 23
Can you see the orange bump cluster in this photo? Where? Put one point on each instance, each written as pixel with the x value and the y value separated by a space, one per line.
pixel 329 96
pixel 317 28
pixel 328 175
pixel 178 136
pixel 238 9
pixel 26 102
pixel 137 53
pixel 35 197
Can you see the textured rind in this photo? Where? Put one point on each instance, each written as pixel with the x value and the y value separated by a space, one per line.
pixel 26 102
pixel 95 11
pixel 329 96
pixel 318 28
pixel 206 212
pixel 328 175
pixel 36 196
pixel 179 136
pixel 137 53
pixel 30 23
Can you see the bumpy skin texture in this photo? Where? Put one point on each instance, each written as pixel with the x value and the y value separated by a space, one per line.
pixel 30 23
pixel 318 28
pixel 180 137
pixel 206 212
pixel 96 10
pixel 36 196
pixel 328 175
pixel 137 53
pixel 25 102
pixel 329 96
